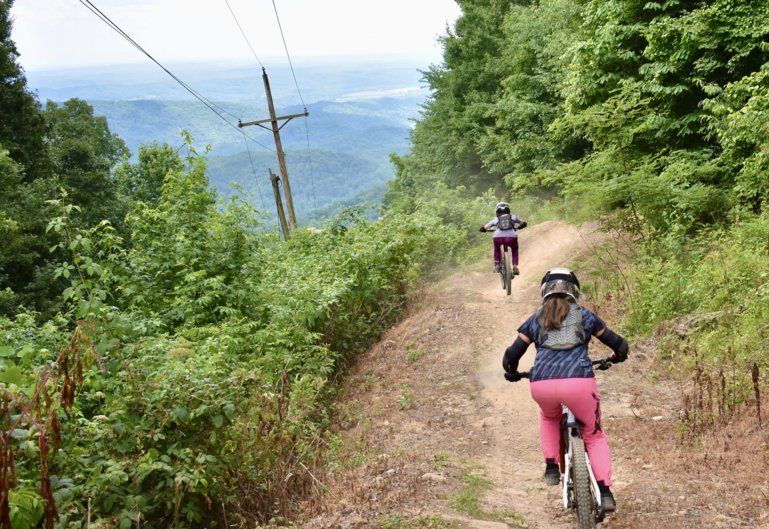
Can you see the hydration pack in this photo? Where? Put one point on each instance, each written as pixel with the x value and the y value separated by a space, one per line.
pixel 570 335
pixel 505 222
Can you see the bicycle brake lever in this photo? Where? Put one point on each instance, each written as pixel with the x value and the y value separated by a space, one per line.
pixel 604 364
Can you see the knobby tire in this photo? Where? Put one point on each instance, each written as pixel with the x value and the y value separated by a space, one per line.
pixel 581 482
pixel 508 279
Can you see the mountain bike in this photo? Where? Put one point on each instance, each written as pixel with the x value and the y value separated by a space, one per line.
pixel 506 264
pixel 580 488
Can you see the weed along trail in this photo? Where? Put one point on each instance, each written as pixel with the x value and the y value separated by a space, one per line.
pixel 429 435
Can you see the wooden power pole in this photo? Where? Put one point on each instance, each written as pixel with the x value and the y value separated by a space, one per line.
pixel 279 204
pixel 273 119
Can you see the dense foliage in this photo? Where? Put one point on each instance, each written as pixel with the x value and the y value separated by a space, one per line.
pixel 654 106
pixel 202 351
pixel 165 360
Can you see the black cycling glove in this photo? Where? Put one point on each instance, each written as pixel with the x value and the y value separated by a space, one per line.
pixel 512 376
pixel 617 344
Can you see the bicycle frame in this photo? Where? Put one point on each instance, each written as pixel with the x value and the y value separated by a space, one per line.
pixel 570 429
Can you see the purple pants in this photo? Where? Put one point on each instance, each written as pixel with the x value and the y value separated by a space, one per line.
pixel 512 242
pixel 582 397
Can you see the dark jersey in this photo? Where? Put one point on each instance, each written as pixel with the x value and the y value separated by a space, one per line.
pixel 565 363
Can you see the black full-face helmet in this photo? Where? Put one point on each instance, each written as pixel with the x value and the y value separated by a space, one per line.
pixel 560 281
pixel 502 208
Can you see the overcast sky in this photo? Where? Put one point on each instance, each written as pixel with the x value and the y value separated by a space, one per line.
pixel 64 33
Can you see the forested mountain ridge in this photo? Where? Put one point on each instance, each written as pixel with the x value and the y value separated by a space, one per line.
pixel 165 359
pixel 358 111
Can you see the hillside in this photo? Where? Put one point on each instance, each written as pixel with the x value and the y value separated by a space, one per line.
pixel 434 436
pixel 359 113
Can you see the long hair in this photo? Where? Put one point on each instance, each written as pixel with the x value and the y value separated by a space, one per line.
pixel 554 310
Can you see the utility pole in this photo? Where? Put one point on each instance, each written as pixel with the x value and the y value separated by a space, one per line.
pixel 279 204
pixel 273 119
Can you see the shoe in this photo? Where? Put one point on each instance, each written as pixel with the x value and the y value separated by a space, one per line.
pixel 607 501
pixel 496 268
pixel 552 473
pixel 607 498
pixel 515 270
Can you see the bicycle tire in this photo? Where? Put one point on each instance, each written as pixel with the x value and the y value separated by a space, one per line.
pixel 508 279
pixel 583 498
pixel 502 272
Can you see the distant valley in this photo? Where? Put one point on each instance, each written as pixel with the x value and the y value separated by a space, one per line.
pixel 359 113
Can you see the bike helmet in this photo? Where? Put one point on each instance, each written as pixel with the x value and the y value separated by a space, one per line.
pixel 559 281
pixel 502 208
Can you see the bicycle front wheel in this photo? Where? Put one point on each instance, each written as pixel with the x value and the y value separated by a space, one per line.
pixel 583 499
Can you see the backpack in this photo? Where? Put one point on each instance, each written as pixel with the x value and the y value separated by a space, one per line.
pixel 505 222
pixel 570 335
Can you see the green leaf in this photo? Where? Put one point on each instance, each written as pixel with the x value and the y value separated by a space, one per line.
pixel 19 433
pixel 181 414
pixel 12 375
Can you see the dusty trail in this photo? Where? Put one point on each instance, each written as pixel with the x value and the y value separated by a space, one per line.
pixel 427 409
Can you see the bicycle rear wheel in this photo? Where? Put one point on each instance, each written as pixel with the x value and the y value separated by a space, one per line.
pixel 581 482
pixel 508 277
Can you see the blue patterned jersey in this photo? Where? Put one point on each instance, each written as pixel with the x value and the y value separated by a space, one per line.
pixel 564 363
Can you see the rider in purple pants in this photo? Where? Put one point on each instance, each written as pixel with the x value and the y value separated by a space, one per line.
pixel 505 224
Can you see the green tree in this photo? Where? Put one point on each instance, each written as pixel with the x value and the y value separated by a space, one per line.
pixel 22 127
pixel 143 181
pixel 641 89
pixel 84 152
pixel 464 88
pixel 24 255
pixel 519 141
pixel 188 251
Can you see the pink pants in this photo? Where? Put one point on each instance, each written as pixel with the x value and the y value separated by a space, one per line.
pixel 582 397
pixel 512 242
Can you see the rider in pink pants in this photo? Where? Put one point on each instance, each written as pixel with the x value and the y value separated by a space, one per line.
pixel 582 397
pixel 563 373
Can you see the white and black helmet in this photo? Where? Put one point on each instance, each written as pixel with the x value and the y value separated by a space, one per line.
pixel 502 208
pixel 559 281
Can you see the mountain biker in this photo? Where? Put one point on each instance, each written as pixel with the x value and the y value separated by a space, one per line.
pixel 563 374
pixel 505 223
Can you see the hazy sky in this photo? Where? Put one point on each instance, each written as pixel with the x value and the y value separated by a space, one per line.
pixel 64 33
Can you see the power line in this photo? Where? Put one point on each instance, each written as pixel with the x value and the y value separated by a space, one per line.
pixel 285 46
pixel 306 125
pixel 243 33
pixel 253 172
pixel 312 176
pixel 208 103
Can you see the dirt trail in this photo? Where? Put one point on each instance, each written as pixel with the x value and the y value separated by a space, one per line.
pixel 426 413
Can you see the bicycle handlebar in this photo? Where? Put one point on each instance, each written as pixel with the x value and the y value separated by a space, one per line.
pixel 494 228
pixel 603 364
